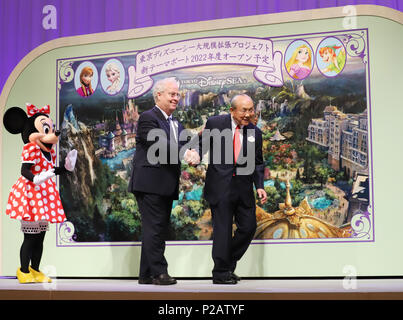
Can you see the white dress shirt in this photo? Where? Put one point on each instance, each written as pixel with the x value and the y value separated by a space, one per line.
pixel 233 127
pixel 173 124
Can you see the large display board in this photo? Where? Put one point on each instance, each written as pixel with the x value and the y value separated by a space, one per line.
pixel 324 96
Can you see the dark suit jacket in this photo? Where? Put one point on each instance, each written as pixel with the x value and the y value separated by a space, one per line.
pixel 159 178
pixel 219 175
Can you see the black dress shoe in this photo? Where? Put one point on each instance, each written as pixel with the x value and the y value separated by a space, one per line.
pixel 146 280
pixel 224 281
pixel 164 279
pixel 235 277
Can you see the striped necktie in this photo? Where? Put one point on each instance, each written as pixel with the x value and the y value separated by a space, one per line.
pixel 172 127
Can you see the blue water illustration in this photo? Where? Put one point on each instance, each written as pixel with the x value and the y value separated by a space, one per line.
pixel 195 194
pixel 321 203
pixel 270 183
pixel 117 162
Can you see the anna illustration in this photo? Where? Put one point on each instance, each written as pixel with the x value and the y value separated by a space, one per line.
pixel 85 89
pixel 335 63
pixel 113 75
pixel 300 63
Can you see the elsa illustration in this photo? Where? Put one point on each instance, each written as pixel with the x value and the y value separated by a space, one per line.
pixel 113 75
pixel 300 63
pixel 335 63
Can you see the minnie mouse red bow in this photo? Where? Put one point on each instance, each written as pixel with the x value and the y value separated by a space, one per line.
pixel 31 109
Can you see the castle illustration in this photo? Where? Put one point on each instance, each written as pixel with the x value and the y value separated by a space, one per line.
pixel 123 136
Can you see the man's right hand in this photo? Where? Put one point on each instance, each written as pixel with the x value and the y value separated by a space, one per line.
pixel 192 157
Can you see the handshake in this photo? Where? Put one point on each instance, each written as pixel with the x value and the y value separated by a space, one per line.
pixel 192 157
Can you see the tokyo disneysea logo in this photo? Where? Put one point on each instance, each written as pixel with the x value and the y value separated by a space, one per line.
pixel 209 81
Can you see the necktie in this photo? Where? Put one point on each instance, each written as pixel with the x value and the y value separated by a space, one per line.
pixel 172 127
pixel 237 143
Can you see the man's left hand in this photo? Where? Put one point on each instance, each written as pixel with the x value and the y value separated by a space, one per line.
pixel 262 195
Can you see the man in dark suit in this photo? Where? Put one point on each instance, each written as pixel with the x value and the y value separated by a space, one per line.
pixel 155 178
pixel 235 164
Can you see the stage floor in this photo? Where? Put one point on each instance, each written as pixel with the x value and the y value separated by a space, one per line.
pixel 247 289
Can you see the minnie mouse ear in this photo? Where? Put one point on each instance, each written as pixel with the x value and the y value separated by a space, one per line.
pixel 14 120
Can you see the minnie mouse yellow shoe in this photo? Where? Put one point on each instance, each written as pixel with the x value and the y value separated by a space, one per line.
pixel 25 277
pixel 39 276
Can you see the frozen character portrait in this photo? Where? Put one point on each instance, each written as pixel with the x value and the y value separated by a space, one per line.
pixel 112 76
pixel 299 65
pixel 332 57
pixel 34 199
pixel 85 88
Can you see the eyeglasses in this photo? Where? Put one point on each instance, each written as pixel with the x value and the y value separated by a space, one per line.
pixel 174 95
pixel 244 111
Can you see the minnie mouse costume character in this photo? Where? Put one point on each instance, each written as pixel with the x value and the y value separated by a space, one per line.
pixel 34 199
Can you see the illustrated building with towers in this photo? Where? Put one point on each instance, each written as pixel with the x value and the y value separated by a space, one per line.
pixel 345 136
pixel 124 133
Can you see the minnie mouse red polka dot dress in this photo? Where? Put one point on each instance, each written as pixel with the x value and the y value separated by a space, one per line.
pixel 30 202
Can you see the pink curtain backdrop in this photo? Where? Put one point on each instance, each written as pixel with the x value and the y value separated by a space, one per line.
pixel 21 21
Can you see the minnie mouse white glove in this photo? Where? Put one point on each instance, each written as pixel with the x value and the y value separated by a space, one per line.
pixel 70 161
pixel 43 176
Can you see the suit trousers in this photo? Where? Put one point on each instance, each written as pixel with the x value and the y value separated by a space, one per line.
pixel 155 213
pixel 229 247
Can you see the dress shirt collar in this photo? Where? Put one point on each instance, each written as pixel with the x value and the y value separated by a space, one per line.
pixel 234 124
pixel 164 114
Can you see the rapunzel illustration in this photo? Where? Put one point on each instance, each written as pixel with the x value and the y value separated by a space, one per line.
pixel 300 64
pixel 85 88
pixel 334 63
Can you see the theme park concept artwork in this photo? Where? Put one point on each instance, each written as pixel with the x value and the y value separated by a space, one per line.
pixel 311 95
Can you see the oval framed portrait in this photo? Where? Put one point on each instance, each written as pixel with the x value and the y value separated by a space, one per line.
pixel 299 59
pixel 112 76
pixel 86 79
pixel 331 57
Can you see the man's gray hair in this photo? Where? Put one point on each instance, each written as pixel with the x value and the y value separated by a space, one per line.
pixel 160 86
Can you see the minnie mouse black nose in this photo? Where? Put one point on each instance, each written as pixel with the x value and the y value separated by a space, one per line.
pixel 57 133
